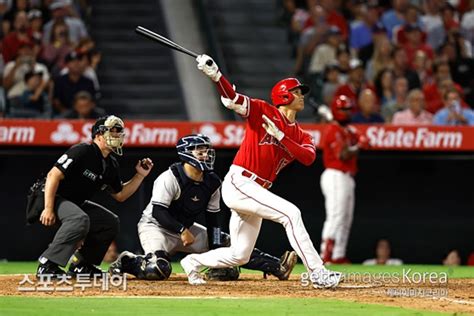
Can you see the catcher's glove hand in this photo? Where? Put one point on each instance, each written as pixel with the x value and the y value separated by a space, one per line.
pixel 223 274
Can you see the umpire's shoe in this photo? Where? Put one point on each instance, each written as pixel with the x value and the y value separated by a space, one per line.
pixel 287 263
pixel 49 269
pixel 78 267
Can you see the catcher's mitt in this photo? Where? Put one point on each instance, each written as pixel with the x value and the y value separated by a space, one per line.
pixel 223 274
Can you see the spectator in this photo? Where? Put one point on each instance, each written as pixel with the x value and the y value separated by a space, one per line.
pixel 433 23
pixel 422 66
pixel 442 82
pixel 402 69
pixel 415 114
pixel 381 59
pixel 411 21
pixel 35 18
pixel 313 34
pixel 366 52
pixel 414 43
pixel 449 17
pixel 84 108
pixel 467 24
pixel 395 16
pixel 356 83
pixel 452 259
pixel 31 104
pixel 89 61
pixel 323 55
pixel 343 58
pixel 368 109
pixel 399 104
pixel 61 10
pixel 13 7
pixel 66 86
pixel 361 28
pixel 55 52
pixel 13 40
pixel 4 23
pixel 331 82
pixel 334 18
pixel 15 71
pixel 384 86
pixel 382 255
pixel 453 113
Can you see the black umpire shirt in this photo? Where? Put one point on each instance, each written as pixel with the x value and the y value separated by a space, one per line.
pixel 86 171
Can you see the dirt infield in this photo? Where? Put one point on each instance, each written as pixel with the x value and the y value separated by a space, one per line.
pixel 455 296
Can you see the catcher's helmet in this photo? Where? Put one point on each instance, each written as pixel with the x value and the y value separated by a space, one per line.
pixel 196 149
pixel 281 94
pixel 341 108
pixel 112 128
pixel 156 266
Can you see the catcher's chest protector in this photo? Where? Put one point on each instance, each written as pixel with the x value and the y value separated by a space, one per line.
pixel 194 196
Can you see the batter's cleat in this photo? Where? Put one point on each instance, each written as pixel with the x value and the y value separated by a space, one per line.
pixel 116 267
pixel 287 263
pixel 194 277
pixel 82 268
pixel 49 269
pixel 325 279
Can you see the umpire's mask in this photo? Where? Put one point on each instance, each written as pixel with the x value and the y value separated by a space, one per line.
pixel 112 129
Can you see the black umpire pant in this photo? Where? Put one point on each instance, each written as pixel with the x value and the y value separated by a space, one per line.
pixel 90 223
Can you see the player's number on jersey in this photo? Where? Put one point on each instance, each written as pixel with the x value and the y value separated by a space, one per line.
pixel 64 161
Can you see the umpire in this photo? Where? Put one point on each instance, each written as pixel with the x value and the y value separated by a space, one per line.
pixel 82 171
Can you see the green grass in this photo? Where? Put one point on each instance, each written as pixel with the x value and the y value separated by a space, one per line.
pixel 453 272
pixel 176 306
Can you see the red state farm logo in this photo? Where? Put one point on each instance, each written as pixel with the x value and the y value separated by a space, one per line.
pixel 64 133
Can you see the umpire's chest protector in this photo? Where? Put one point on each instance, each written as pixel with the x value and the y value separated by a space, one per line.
pixel 194 196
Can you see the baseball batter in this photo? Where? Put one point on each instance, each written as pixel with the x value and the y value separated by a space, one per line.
pixel 181 195
pixel 341 144
pixel 273 139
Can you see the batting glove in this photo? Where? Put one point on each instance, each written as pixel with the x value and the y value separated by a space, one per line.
pixel 272 129
pixel 207 65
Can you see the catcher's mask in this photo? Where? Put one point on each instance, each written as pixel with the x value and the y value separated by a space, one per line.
pixel 196 149
pixel 112 129
pixel 156 266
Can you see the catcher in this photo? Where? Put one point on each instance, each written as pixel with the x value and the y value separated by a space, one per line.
pixel 182 194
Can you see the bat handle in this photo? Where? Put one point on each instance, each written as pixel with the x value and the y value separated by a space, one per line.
pixel 209 62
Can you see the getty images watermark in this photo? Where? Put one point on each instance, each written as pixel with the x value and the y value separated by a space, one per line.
pixel 407 283
pixel 66 283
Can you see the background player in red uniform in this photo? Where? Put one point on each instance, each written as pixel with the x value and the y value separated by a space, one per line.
pixel 341 144
pixel 273 139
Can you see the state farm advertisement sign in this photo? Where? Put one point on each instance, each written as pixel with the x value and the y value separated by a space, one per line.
pixel 226 134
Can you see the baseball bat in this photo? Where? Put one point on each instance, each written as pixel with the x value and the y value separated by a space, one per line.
pixel 166 42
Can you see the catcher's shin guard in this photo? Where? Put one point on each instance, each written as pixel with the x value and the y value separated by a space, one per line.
pixel 281 268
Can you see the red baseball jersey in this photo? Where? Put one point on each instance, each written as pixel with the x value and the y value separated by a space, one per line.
pixel 260 152
pixel 335 138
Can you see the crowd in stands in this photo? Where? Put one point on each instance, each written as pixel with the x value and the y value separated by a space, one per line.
pixel 48 61
pixel 404 62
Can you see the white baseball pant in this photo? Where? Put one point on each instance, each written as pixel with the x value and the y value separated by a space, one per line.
pixel 338 190
pixel 154 237
pixel 249 204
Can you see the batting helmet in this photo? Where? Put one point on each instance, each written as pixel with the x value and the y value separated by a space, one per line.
pixel 341 108
pixel 112 128
pixel 196 149
pixel 281 94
